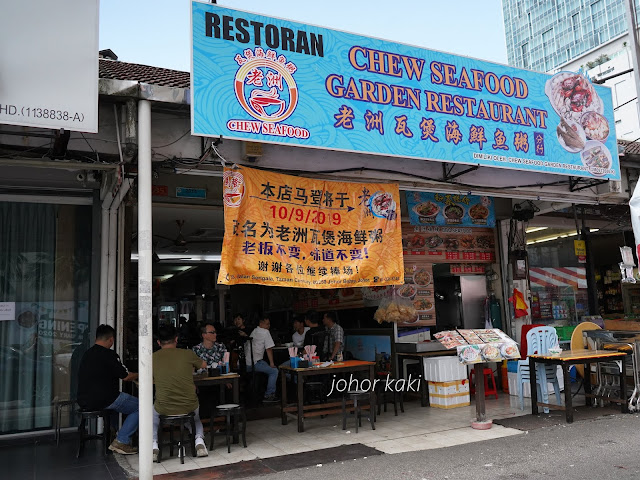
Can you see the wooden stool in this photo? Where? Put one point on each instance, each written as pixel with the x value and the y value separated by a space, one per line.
pixel 179 420
pixel 358 396
pixel 231 429
pixel 106 433
pixel 487 373
pixel 383 397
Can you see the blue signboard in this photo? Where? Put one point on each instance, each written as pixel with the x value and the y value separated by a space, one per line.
pixel 186 192
pixel 264 79
pixel 450 209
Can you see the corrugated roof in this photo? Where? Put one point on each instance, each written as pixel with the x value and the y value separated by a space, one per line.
pixel 630 148
pixel 116 70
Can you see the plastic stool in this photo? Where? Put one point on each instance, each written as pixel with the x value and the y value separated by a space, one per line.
pixel 106 433
pixel 180 420
pixel 487 373
pixel 238 413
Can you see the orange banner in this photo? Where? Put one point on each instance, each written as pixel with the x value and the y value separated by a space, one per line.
pixel 301 232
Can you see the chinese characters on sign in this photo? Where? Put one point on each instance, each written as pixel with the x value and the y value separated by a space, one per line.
pixel 284 82
pixel 450 209
pixel 300 232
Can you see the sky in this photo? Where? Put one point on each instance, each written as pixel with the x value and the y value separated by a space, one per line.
pixel 157 32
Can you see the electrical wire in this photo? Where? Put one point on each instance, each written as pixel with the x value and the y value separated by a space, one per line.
pixel 175 141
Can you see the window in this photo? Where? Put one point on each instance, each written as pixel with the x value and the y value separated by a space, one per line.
pixel 45 270
pixel 575 26
pixel 525 55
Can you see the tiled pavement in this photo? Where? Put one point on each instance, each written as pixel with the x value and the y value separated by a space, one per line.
pixel 417 429
pixel 271 446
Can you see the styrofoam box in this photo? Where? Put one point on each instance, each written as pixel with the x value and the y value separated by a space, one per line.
pixel 449 388
pixel 449 394
pixel 444 369
pixel 526 387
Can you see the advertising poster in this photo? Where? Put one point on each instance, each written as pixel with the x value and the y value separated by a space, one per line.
pixel 450 209
pixel 271 80
pixel 292 231
pixel 455 245
pixel 418 288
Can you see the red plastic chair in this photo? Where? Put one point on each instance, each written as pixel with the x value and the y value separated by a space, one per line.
pixel 487 373
pixel 523 339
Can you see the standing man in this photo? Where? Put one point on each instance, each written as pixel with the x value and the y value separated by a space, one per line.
pixel 98 387
pixel 299 332
pixel 316 333
pixel 262 342
pixel 336 335
pixel 210 350
pixel 175 391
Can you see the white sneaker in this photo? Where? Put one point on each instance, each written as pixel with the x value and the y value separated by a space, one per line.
pixel 201 450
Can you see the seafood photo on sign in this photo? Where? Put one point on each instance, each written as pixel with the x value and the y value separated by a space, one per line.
pixel 572 95
pixel 596 126
pixel 571 135
pixel 596 157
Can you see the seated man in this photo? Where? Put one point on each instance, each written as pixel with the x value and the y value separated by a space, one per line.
pixel 262 342
pixel 98 388
pixel 316 333
pixel 336 336
pixel 209 349
pixel 299 332
pixel 175 391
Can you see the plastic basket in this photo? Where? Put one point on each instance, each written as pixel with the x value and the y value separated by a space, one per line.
pixel 564 332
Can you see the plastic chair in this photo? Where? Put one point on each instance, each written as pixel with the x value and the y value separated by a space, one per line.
pixel 539 340
pixel 487 373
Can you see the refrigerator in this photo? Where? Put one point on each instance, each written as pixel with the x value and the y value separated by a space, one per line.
pixel 459 301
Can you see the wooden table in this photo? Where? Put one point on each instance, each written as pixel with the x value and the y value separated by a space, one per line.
pixel 300 410
pixel 221 380
pixel 402 356
pixel 577 357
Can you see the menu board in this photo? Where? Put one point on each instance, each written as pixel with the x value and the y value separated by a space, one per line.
pixel 328 299
pixel 418 288
pixel 449 244
pixel 450 209
pixel 477 346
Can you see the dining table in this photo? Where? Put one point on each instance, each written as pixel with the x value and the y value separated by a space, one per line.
pixel 578 357
pixel 302 411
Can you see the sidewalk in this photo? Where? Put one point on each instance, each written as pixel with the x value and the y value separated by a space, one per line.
pixel 419 428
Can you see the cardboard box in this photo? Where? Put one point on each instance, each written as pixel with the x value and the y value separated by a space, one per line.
pixel 449 394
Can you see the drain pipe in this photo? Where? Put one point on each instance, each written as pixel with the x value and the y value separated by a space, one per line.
pixel 145 265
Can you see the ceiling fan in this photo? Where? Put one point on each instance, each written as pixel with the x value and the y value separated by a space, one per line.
pixel 180 243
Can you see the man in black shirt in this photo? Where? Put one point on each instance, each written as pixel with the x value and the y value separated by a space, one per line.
pixel 98 387
pixel 316 333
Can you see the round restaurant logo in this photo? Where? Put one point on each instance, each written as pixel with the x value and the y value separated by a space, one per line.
pixel 264 85
pixel 232 188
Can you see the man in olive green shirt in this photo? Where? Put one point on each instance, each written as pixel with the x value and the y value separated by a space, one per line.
pixel 175 391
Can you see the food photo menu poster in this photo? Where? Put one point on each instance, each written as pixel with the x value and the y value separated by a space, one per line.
pixel 418 288
pixel 449 244
pixel 450 209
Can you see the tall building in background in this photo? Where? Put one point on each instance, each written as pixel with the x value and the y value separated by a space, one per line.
pixel 554 35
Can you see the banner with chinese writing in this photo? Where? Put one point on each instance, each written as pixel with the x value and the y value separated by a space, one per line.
pixel 301 232
pixel 450 209
pixel 265 79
